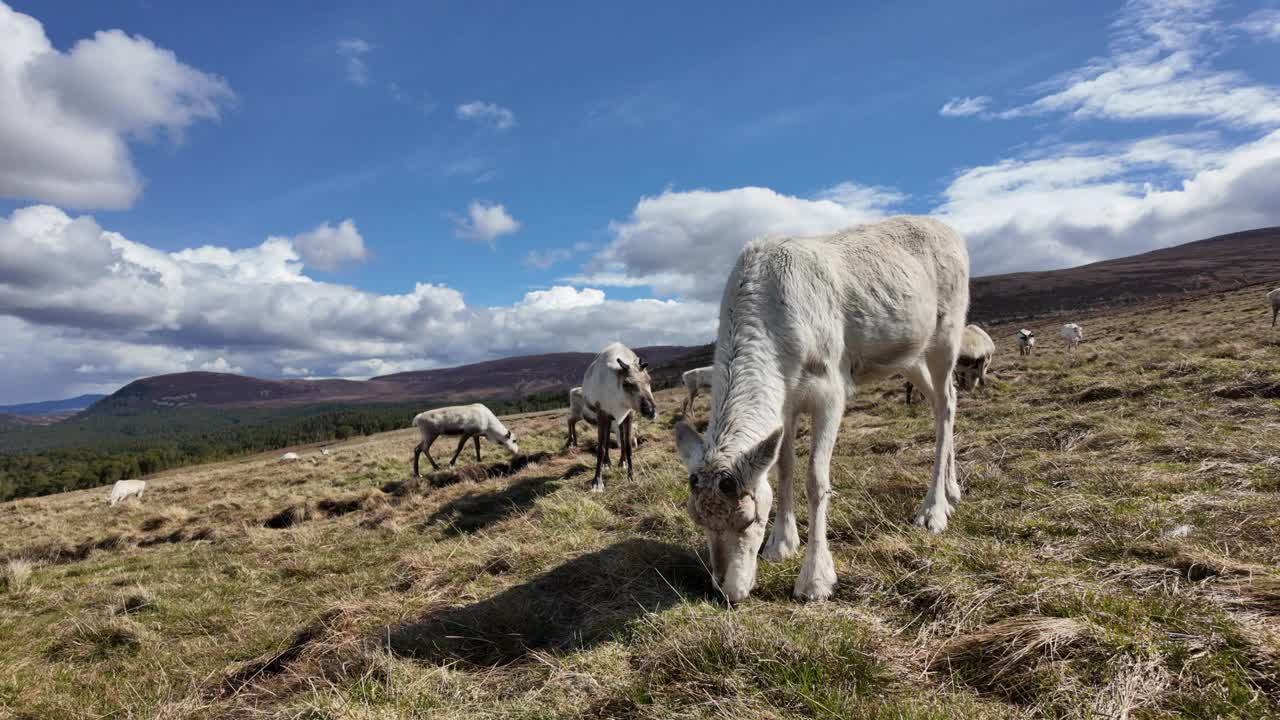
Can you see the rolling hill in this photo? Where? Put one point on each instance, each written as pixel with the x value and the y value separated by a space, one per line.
pixel 1218 263
pixel 49 407
pixel 507 377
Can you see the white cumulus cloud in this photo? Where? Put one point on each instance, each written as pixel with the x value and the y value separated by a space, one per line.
pixel 485 222
pixel 66 117
pixel 329 248
pixel 94 310
pixel 220 365
pixel 683 242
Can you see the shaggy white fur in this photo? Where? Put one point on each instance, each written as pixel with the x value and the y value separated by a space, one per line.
pixel 695 380
pixel 1072 335
pixel 976 351
pixel 615 387
pixel 801 320
pixel 126 488
pixel 579 412
pixel 469 421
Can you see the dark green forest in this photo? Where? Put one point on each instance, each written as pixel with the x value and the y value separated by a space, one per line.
pixel 88 451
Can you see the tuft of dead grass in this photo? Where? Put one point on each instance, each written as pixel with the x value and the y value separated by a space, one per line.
pixel 17 574
pixel 1010 657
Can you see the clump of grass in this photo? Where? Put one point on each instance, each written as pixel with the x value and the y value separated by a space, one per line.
pixel 1014 658
pixel 17 574
pixel 823 669
pixel 1135 684
pixel 1255 593
pixel 134 601
pixel 99 638
pixel 292 514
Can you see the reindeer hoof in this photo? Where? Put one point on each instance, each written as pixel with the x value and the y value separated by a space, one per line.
pixel 933 517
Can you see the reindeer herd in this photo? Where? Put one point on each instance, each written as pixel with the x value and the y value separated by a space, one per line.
pixel 803 322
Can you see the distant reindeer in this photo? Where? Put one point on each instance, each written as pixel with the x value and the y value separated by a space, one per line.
pixel 124 489
pixel 1273 298
pixel 800 320
pixel 694 380
pixel 1026 342
pixel 1072 335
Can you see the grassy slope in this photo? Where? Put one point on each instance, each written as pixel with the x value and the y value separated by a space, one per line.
pixel 1059 590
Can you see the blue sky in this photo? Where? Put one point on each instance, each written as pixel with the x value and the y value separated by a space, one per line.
pixel 525 178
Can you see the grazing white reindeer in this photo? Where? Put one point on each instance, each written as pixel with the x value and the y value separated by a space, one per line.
pixel 694 380
pixel 469 421
pixel 125 488
pixel 579 412
pixel 1273 297
pixel 801 320
pixel 1026 342
pixel 1072 335
pixel 976 351
pixel 615 387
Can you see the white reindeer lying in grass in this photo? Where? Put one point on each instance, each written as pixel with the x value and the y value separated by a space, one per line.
pixel 801 319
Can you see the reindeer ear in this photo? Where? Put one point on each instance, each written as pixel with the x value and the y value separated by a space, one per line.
pixel 625 367
pixel 689 442
pixel 761 457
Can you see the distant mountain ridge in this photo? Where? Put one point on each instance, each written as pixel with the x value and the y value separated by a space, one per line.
pixel 48 407
pixel 1217 263
pixel 503 378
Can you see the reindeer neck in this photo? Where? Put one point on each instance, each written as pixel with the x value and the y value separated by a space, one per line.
pixel 748 392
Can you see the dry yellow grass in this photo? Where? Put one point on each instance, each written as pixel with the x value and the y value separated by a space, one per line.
pixel 1116 555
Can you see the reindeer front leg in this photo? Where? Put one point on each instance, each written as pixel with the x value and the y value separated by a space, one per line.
pixel 604 426
pixel 461 444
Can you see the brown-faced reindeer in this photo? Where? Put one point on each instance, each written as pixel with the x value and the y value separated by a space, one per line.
pixel 579 412
pixel 615 387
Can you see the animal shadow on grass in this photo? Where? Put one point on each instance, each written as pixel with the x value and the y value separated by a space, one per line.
pixel 478 472
pixel 575 606
pixel 475 511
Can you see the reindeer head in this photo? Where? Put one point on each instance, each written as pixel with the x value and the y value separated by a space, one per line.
pixel 968 372
pixel 635 387
pixel 509 442
pixel 730 498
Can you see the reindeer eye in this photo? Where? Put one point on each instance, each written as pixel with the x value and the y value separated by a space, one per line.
pixel 729 485
pixel 629 386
